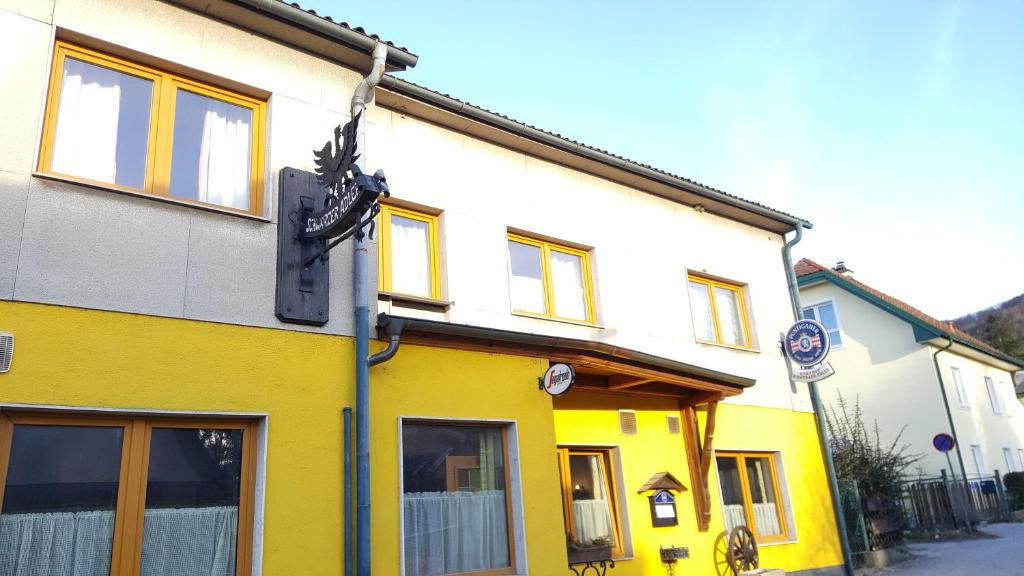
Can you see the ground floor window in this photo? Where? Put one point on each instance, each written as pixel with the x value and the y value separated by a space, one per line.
pixel 750 493
pixel 455 502
pixel 589 499
pixel 92 496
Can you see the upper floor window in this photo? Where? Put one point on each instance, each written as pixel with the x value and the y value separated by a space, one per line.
pixel 961 389
pixel 549 279
pixel 115 123
pixel 993 397
pixel 825 313
pixel 409 254
pixel 719 312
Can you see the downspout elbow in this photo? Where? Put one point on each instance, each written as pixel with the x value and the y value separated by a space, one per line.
pixel 363 93
pixel 393 328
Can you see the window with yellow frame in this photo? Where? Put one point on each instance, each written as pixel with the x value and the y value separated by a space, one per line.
pixel 124 495
pixel 548 279
pixel 589 499
pixel 750 494
pixel 409 257
pixel 114 123
pixel 719 312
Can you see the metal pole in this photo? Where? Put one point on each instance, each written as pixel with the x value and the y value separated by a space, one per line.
pixel 819 413
pixel 347 472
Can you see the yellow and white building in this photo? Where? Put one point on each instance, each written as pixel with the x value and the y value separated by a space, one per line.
pixel 157 418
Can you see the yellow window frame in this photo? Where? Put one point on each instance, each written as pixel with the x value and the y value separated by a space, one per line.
pixel 709 286
pixel 748 504
pixel 549 289
pixel 385 261
pixel 604 457
pixel 161 125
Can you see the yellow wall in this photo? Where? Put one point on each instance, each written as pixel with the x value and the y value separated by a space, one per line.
pixel 75 357
pixel 593 420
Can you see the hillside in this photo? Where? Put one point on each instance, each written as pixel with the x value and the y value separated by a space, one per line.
pixel 1002 326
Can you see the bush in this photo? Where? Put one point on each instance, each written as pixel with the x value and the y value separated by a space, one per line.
pixel 1014 483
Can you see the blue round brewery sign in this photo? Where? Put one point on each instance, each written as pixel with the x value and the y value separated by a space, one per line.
pixel 806 342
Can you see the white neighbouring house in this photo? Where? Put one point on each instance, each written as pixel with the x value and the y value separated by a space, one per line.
pixel 884 352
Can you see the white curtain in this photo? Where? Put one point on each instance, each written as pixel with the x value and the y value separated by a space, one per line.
pixel 178 542
pixel 700 307
pixel 729 319
pixel 85 143
pixel 567 283
pixel 410 256
pixel 224 155
pixel 451 532
pixel 592 519
pixel 765 517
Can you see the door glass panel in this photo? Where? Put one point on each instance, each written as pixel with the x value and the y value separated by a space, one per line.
pixel 591 505
pixel 453 499
pixel 762 496
pixel 211 156
pixel 192 495
pixel 527 278
pixel 60 497
pixel 102 130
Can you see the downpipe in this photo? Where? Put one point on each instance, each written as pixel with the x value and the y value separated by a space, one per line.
pixel 363 94
pixel 819 412
pixel 952 432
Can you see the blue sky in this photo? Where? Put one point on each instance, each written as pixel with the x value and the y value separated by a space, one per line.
pixel 897 128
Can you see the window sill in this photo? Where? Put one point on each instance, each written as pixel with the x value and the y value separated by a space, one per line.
pixel 777 543
pixel 432 303
pixel 164 199
pixel 729 346
pixel 558 320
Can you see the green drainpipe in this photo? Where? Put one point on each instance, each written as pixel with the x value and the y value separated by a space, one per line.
pixel 819 412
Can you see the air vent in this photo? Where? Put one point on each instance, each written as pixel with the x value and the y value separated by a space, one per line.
pixel 627 422
pixel 6 351
pixel 673 423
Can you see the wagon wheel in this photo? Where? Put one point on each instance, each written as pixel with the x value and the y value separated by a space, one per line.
pixel 721 555
pixel 741 550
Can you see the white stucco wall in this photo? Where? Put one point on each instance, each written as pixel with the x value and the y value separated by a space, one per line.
pixel 642 247
pixel 893 376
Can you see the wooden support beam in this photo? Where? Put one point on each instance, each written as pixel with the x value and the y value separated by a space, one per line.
pixel 621 381
pixel 699 457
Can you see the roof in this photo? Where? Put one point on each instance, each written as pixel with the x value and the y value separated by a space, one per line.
pixel 808 271
pixel 346 26
pixel 480 114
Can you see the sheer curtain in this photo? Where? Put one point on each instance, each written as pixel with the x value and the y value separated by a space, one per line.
pixel 85 143
pixel 410 256
pixel 224 155
pixel 567 283
pixel 452 532
pixel 176 542
pixel 729 318
pixel 592 519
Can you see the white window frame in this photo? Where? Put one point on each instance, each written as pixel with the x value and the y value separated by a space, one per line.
pixel 979 460
pixel 786 501
pixel 515 491
pixel 961 388
pixel 1008 457
pixel 993 398
pixel 817 317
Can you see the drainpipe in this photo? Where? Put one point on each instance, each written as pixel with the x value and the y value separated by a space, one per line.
pixel 362 95
pixel 393 328
pixel 347 471
pixel 819 412
pixel 952 430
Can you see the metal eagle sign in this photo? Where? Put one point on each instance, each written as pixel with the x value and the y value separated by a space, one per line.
pixel 806 343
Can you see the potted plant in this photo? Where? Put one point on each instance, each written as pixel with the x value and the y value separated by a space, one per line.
pixel 595 550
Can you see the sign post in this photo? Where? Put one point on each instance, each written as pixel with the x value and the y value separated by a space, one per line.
pixel 944 443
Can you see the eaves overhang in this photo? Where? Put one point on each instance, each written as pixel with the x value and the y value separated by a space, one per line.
pixel 421 102
pixel 610 368
pixel 924 332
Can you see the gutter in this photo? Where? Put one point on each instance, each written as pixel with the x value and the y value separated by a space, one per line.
pixel 952 430
pixel 333 30
pixel 496 120
pixel 386 322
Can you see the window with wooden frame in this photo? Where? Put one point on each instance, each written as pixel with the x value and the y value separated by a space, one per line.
pixel 719 312
pixel 457 514
pixel 751 494
pixel 551 280
pixel 126 495
pixel 409 257
pixel 589 500
pixel 114 123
